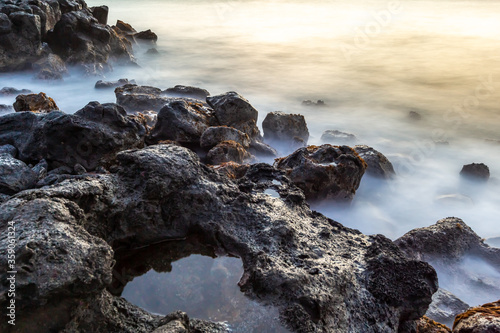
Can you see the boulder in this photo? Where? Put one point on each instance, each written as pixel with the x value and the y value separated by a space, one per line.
pixel 35 103
pixel 100 13
pixel 51 67
pixel 261 149
pixel 96 132
pixel 112 84
pixel 187 91
pixel 10 91
pixel 483 319
pixel 212 136
pixel 378 165
pixel 338 137
pixel 285 128
pixel 134 98
pixel 445 307
pixel 227 151
pixel 326 172
pixel 182 121
pixel 147 35
pixel 79 39
pixel 15 175
pixel 232 110
pixel 476 172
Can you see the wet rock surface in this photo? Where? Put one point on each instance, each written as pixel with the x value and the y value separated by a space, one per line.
pixel 233 110
pixel 476 172
pixel 134 98
pixel 212 136
pixel 112 84
pixel 187 91
pixel 228 151
pixel 285 128
pixel 321 276
pixel 326 172
pixel 35 103
pixel 96 132
pixel 15 175
pixel 338 137
pixel 378 165
pixel 445 307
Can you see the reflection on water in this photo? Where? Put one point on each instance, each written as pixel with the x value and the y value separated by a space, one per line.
pixel 203 286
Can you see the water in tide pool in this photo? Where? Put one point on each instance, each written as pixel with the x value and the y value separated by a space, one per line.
pixel 372 62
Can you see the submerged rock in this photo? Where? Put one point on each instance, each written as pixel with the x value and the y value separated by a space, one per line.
pixel 35 103
pixel 187 91
pixel 378 165
pixel 285 128
pixel 10 91
pixel 308 102
pixel 337 137
pixel 476 171
pixel 112 84
pixel 326 172
pixel 483 319
pixel 92 134
pixel 233 110
pixel 320 275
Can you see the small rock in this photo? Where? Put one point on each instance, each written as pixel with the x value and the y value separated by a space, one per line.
pixel 152 51
pixel 281 127
pixel 261 149
pixel 215 135
pixel 427 325
pixel 233 110
pixel 476 171
pixel 10 91
pixel 112 84
pixel 337 137
pixel 414 115
pixel 187 91
pixel 15 175
pixel 147 35
pixel 35 103
pixel 227 151
pixel 378 165
pixel 8 149
pixel 125 27
pixel 311 103
pixel 62 170
pixel 326 172
pixel 79 169
pixel 41 169
pixel 134 98
pixel 6 108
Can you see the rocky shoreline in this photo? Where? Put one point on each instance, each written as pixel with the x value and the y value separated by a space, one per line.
pixel 183 168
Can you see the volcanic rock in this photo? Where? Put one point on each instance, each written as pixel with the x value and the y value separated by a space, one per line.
pixel 285 128
pixel 378 165
pixel 35 103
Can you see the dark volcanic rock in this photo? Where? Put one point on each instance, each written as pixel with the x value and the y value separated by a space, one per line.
pixel 322 276
pixel 79 39
pixel 36 103
pixel 10 91
pixel 136 98
pixel 15 175
pixel 476 171
pixel 181 121
pixel 326 172
pixel 337 137
pixel 212 136
pixel 94 133
pixel 100 13
pixel 285 128
pixel 378 165
pixel 228 151
pixel 232 110
pixel 187 91
pixel 147 35
pixel 50 68
pixel 445 307
pixel 112 84
pixel 483 319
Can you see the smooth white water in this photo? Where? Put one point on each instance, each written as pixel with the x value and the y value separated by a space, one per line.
pixel 371 61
